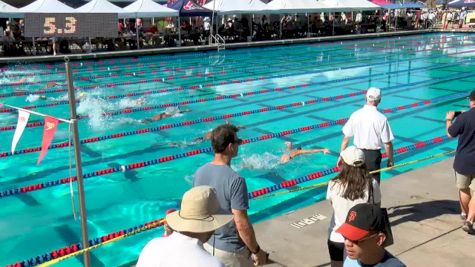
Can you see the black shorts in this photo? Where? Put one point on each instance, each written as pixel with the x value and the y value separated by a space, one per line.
pixel 373 162
pixel 336 250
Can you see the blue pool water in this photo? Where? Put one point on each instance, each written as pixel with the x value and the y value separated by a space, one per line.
pixel 436 68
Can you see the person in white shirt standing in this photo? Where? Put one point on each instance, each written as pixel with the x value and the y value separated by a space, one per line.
pixel 193 225
pixel 352 186
pixel 370 131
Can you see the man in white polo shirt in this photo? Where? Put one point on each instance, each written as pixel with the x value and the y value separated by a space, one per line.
pixel 370 131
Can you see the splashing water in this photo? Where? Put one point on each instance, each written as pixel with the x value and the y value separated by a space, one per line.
pixel 32 98
pixel 130 103
pixel 265 161
pixel 95 108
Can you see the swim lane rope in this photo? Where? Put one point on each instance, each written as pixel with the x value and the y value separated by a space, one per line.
pixel 137 165
pixel 75 249
pixel 226 116
pixel 145 81
pixel 131 110
pixel 167 90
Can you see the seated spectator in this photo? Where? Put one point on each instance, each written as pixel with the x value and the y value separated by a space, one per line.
pixel 193 225
pixel 152 29
pixel 364 233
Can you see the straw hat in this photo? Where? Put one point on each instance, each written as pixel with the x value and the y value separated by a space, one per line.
pixel 199 212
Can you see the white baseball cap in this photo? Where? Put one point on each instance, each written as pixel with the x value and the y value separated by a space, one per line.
pixel 353 156
pixel 373 94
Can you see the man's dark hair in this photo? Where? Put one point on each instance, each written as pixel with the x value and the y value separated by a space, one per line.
pixel 222 136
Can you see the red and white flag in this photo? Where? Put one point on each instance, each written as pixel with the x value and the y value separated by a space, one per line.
pixel 23 117
pixel 51 124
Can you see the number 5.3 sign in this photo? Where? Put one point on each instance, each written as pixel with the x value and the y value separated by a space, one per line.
pixel 70 25
pixel 51 26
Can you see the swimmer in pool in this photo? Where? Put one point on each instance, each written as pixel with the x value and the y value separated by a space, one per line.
pixel 292 153
pixel 52 84
pixel 169 112
pixel 197 140
pixel 80 96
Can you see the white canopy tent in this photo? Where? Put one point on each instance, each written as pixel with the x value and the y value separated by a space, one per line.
pixel 297 6
pixel 99 6
pixel 147 9
pixel 228 7
pixel 7 11
pixel 348 5
pixel 47 6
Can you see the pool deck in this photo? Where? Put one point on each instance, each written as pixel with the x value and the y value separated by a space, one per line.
pixel 424 213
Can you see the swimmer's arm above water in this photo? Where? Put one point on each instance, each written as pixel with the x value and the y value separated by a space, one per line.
pixel 309 151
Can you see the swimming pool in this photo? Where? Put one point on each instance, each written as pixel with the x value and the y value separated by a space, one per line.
pixel 275 92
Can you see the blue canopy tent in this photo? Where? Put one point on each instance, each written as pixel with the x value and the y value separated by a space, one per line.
pixel 403 5
pixel 462 3
pixel 188 8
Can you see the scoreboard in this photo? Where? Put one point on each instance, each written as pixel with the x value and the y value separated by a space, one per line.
pixel 78 25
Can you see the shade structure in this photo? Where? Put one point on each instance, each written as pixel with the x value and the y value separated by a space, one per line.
pixel 8 11
pixel 47 6
pixel 99 6
pixel 381 2
pixel 147 9
pixel 462 3
pixel 223 7
pixel 349 5
pixel 403 5
pixel 188 8
pixel 296 6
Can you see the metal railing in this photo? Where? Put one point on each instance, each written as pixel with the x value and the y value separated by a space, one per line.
pixel 219 41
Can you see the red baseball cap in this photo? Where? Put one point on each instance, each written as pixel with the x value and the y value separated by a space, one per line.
pixel 361 220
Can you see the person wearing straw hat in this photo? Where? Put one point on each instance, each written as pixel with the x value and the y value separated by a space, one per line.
pixel 370 131
pixel 195 222
pixel 234 244
pixel 353 185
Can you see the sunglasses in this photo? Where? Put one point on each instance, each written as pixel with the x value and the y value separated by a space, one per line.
pixel 356 242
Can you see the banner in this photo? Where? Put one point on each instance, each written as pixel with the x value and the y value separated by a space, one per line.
pixel 23 117
pixel 51 124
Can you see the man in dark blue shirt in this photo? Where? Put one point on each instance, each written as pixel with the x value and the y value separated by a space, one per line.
pixel 464 163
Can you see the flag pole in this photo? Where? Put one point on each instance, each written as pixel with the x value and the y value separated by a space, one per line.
pixel 77 153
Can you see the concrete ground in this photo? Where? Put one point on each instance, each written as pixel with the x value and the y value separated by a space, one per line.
pixel 424 213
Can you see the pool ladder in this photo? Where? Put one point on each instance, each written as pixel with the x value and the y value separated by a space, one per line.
pixel 219 41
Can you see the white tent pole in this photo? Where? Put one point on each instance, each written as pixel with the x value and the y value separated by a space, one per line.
pixel 280 26
pixel 251 22
pixel 137 33
pixel 212 24
pixel 395 20
pixel 388 23
pixel 179 31
pixel 333 24
pixel 308 25
pixel 34 46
